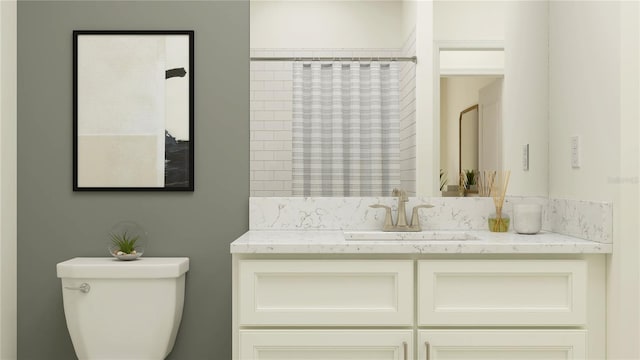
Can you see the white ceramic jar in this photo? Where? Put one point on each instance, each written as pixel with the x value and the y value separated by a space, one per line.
pixel 527 218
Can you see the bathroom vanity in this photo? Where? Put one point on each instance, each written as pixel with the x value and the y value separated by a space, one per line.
pixel 463 294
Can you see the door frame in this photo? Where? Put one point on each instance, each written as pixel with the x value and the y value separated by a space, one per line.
pixel 8 179
pixel 453 45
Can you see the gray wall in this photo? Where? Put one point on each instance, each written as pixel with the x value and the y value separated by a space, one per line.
pixel 55 224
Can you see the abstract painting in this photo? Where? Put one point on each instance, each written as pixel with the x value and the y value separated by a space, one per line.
pixel 133 110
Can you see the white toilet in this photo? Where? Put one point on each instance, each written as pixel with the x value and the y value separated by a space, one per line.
pixel 123 309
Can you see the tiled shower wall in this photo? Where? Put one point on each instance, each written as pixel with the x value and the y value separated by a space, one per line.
pixel 408 118
pixel 271 96
pixel 271 101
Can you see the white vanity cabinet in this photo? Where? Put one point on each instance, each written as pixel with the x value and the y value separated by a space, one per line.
pixel 418 306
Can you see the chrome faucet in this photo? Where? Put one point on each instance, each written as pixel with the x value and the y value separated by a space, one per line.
pixel 401 223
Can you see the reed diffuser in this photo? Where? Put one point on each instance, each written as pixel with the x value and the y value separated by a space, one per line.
pixel 462 183
pixel 499 222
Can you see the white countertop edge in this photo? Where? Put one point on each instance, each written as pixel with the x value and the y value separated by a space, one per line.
pixel 333 242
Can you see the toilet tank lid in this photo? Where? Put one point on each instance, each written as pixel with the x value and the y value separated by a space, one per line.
pixel 112 268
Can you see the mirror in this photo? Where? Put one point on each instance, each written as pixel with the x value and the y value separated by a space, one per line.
pixel 336 106
pixel 470 128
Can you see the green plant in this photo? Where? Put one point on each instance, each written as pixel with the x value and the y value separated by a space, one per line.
pixel 124 243
pixel 471 177
pixel 443 179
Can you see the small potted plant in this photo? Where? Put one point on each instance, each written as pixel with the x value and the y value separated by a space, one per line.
pixel 471 184
pixel 127 241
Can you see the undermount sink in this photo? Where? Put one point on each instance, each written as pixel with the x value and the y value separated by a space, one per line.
pixel 408 236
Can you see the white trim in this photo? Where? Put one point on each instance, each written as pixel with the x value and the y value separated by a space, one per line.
pixel 471 72
pixel 8 179
pixel 481 45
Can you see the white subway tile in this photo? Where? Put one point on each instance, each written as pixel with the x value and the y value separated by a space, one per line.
pixel 282 175
pixel 264 136
pixel 274 165
pixel 282 135
pixel 275 185
pixel 303 53
pixel 277 105
pixel 262 95
pixel 256 125
pixel 256 65
pixel 264 155
pixel 274 85
pixel 282 75
pixel 256 105
pixel 274 125
pixel 257 185
pixel 263 115
pixel 274 65
pixel 264 75
pixel 283 115
pixel 263 175
pixel 257 165
pixel 282 155
pixel 274 145
pixel 256 145
pixel 257 85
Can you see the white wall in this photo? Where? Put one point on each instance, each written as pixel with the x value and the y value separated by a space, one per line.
pixel 521 26
pixel 456 94
pixel 526 96
pixel 8 181
pixel 594 90
pixel 327 24
pixel 584 95
pixel 427 127
pixel 408 24
pixel 469 20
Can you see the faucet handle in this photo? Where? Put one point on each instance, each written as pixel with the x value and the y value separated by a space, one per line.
pixel 388 221
pixel 415 219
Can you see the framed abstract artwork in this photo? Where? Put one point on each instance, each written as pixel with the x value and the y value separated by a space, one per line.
pixel 133 110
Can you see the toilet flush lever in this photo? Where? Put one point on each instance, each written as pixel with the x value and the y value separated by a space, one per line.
pixel 83 288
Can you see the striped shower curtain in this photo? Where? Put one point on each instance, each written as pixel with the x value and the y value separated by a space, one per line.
pixel 345 128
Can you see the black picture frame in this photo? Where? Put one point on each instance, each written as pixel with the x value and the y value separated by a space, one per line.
pixel 90 147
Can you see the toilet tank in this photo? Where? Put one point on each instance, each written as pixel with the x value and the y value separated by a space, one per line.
pixel 132 309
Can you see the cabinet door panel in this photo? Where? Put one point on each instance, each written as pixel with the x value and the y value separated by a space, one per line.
pixel 502 292
pixel 326 345
pixel 326 292
pixel 502 344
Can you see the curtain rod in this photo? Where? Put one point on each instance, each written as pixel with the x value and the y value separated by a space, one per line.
pixel 353 58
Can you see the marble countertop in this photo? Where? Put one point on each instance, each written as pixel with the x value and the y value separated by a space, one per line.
pixel 485 242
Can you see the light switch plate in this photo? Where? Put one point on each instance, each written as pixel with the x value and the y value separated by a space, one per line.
pixel 575 152
pixel 525 157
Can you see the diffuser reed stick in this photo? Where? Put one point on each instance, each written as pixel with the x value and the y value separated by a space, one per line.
pixel 499 224
pixel 485 182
